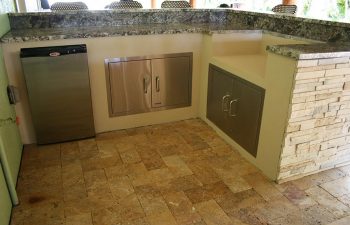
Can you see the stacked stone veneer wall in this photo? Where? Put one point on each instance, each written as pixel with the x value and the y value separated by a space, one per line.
pixel 317 136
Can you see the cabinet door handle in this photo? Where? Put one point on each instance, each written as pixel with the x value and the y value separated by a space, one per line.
pixel 223 103
pixel 157 84
pixel 145 85
pixel 230 110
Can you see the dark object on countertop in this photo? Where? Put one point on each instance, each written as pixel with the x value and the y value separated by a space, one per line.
pixel 45 4
pixel 175 4
pixel 125 4
pixel 68 6
pixel 289 9
pixel 224 6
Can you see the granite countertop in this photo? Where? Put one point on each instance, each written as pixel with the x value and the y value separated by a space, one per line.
pixel 44 34
pixel 312 51
pixel 44 26
pixel 163 12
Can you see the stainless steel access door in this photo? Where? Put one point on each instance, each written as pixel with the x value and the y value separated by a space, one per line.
pixel 59 95
pixel 148 83
pixel 219 96
pixel 245 113
pixel 130 86
pixel 171 81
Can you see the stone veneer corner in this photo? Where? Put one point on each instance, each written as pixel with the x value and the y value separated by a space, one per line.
pixel 317 136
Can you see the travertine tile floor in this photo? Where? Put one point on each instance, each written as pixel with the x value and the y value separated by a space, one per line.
pixel 177 173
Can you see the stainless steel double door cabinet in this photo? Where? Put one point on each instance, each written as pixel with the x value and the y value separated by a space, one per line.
pixel 143 84
pixel 58 86
pixel 235 106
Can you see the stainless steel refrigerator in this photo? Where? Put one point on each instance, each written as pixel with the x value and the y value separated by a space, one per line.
pixel 58 84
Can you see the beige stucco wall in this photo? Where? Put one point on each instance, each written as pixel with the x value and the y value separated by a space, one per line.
pixel 233 52
pixel 98 50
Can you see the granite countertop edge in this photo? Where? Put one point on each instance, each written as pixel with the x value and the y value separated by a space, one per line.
pixel 295 51
pixel 312 51
pixel 43 34
pixel 208 10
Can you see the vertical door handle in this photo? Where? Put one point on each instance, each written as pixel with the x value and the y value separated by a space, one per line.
pixel 223 103
pixel 230 110
pixel 145 85
pixel 157 84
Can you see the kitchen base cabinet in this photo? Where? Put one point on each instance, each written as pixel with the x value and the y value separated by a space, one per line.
pixel 235 106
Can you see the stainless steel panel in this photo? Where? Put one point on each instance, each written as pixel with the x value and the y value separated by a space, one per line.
pixel 171 80
pixel 130 87
pixel 160 56
pixel 60 98
pixel 235 106
pixel 219 96
pixel 163 81
pixel 245 114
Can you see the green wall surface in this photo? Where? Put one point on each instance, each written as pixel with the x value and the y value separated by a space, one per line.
pixel 6 111
pixel 4 23
pixel 5 201
pixel 10 142
pixel 5 7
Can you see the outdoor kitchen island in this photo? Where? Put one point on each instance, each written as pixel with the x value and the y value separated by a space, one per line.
pixel 304 120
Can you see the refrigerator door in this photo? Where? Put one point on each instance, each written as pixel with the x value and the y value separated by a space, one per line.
pixel 5 203
pixel 10 142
